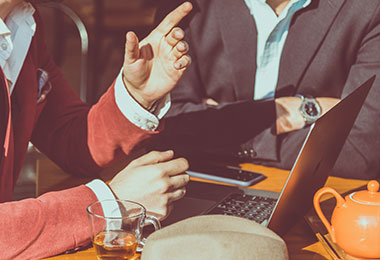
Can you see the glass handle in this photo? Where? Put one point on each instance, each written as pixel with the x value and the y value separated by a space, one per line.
pixel 154 221
pixel 156 224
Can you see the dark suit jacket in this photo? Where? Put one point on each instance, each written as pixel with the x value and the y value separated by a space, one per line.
pixel 332 47
pixel 78 138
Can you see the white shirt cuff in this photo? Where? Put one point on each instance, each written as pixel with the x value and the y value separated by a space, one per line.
pixel 134 112
pixel 102 192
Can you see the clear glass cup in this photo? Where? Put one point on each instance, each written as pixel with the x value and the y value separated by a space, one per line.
pixel 116 228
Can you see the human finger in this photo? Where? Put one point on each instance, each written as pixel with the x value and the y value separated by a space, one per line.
pixel 180 49
pixel 210 101
pixel 174 36
pixel 169 209
pixel 131 48
pixel 174 167
pixel 179 181
pixel 152 158
pixel 173 18
pixel 182 62
pixel 176 195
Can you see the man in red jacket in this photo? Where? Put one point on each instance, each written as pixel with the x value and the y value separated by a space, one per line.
pixel 38 105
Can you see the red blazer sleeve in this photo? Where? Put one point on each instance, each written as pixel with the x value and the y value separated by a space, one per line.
pixel 79 138
pixel 46 226
pixel 110 134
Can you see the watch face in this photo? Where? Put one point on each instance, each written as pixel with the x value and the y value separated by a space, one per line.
pixel 311 109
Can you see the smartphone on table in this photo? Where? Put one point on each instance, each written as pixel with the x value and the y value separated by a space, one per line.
pixel 226 174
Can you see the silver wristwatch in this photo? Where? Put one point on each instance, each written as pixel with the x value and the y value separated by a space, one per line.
pixel 310 109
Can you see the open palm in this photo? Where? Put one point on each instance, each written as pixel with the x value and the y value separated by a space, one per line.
pixel 153 67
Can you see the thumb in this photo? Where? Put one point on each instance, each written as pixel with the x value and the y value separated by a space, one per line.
pixel 132 52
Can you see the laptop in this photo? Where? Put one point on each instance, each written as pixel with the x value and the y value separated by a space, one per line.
pixel 279 211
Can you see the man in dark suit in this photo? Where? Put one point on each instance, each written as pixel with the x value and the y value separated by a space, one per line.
pixel 256 49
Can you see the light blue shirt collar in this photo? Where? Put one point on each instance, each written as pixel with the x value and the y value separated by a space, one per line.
pixel 272 31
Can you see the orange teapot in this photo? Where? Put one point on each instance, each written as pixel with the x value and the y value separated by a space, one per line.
pixel 355 222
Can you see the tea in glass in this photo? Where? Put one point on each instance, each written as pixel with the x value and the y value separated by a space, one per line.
pixel 116 228
pixel 112 245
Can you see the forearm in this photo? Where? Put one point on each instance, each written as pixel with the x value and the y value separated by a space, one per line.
pixel 228 124
pixel 110 134
pixel 178 108
pixel 51 224
pixel 288 112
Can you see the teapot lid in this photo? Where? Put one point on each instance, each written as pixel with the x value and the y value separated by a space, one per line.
pixel 370 196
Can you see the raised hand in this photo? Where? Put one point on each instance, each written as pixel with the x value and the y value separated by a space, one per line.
pixel 153 67
pixel 154 180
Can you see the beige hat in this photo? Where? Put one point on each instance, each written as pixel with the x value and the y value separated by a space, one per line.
pixel 214 237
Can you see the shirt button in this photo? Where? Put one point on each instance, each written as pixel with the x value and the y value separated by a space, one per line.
pixel 4 46
pixel 252 153
pixel 150 126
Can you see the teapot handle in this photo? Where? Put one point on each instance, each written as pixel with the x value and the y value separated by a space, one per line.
pixel 339 202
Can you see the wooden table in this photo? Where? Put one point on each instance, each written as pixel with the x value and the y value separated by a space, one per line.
pixel 301 241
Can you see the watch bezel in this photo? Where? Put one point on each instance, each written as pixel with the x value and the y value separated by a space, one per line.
pixel 306 100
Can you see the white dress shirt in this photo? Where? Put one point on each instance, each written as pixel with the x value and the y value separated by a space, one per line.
pixel 272 31
pixel 16 34
pixel 15 38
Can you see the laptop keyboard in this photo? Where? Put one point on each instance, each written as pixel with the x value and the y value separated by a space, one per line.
pixel 251 207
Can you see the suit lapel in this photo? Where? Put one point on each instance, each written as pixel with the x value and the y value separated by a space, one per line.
pixel 4 113
pixel 6 117
pixel 239 35
pixel 307 30
pixel 6 141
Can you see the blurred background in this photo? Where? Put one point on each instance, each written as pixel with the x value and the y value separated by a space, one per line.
pixel 89 70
